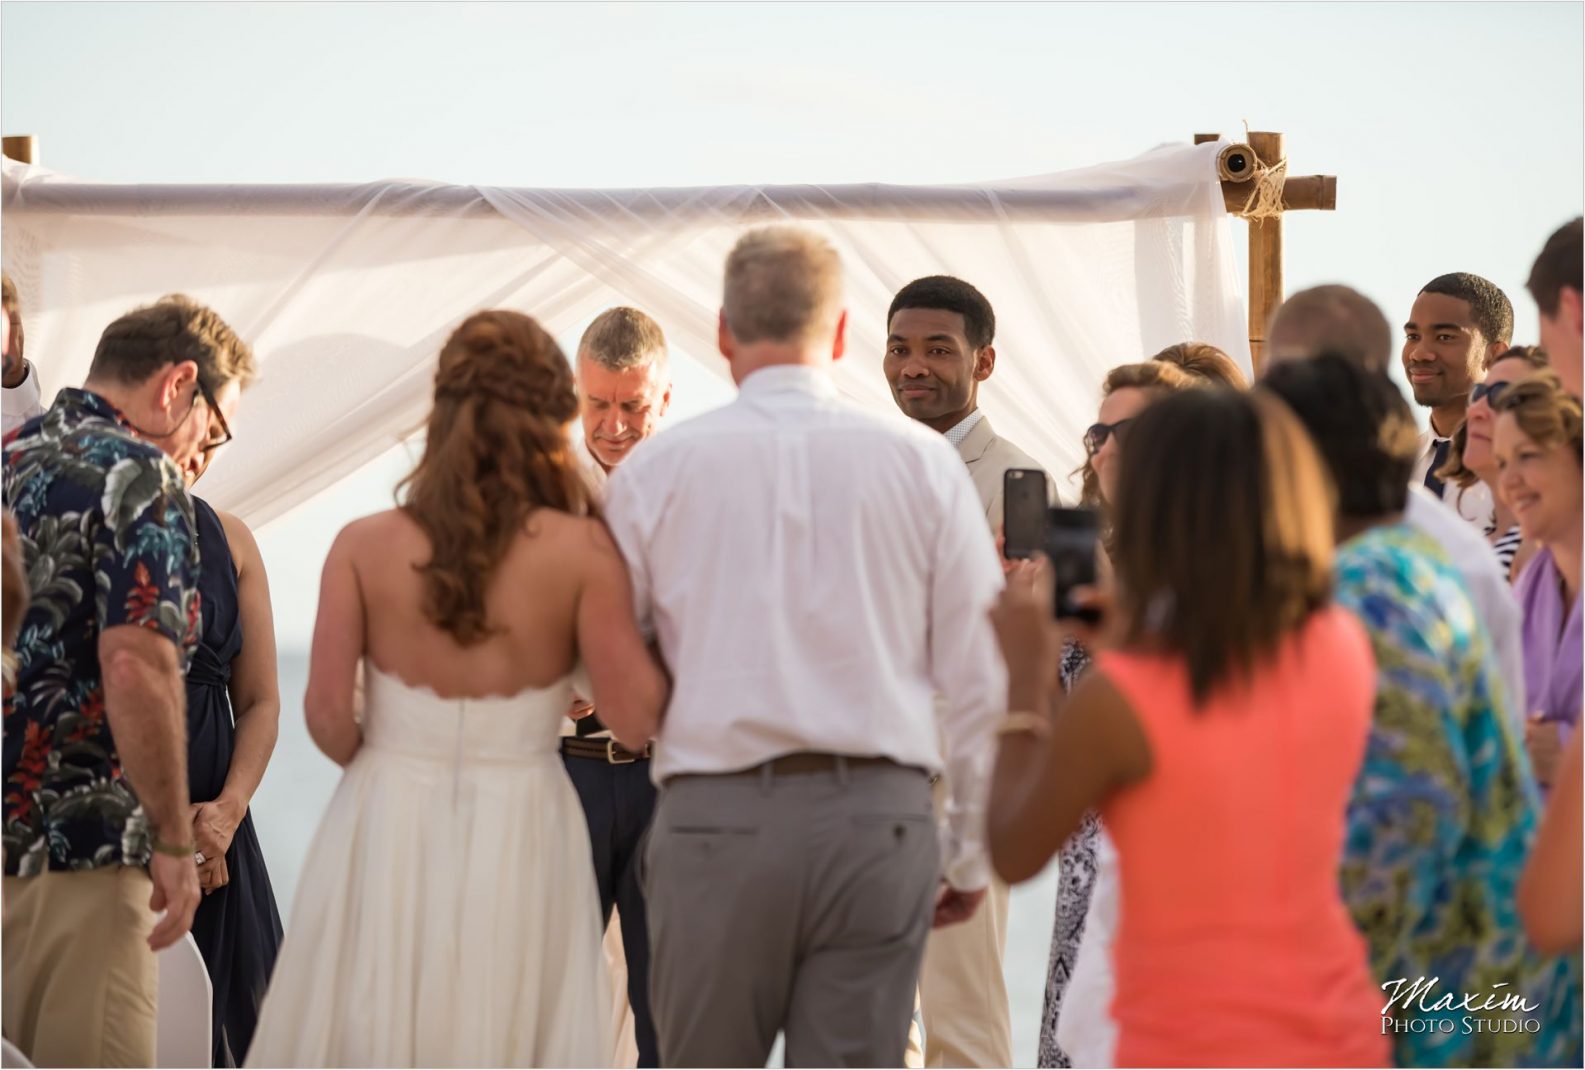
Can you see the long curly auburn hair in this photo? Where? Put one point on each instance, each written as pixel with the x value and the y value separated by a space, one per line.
pixel 497 450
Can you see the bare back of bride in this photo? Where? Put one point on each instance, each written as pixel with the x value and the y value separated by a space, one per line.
pixel 446 914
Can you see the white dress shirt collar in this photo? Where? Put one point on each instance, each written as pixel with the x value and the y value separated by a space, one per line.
pixel 23 401
pixel 593 472
pixel 788 379
pixel 960 430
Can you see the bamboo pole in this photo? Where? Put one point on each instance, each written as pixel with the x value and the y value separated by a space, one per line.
pixel 23 148
pixel 1237 164
pixel 1265 257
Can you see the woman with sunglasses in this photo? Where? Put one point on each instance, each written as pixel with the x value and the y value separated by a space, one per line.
pixel 233 712
pixel 1078 975
pixel 1470 459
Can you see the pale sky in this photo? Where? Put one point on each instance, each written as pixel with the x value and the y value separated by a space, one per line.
pixel 1454 129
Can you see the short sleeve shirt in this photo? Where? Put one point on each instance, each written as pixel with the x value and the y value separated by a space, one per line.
pixel 107 535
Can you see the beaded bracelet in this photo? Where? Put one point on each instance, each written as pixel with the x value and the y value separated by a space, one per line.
pixel 1024 721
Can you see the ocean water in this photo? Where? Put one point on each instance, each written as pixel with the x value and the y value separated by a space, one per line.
pixel 300 781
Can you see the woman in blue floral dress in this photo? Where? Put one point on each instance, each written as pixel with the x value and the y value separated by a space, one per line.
pixel 1445 807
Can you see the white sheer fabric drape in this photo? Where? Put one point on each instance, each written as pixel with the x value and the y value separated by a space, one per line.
pixel 347 292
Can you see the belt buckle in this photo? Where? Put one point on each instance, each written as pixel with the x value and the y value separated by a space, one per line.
pixel 610 754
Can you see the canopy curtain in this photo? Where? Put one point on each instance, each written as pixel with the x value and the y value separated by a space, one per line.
pixel 347 292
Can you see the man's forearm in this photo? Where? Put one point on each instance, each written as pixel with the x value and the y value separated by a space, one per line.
pixel 146 708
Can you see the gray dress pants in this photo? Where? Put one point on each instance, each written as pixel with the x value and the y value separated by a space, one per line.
pixel 793 902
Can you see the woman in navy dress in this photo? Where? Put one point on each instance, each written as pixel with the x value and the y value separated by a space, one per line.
pixel 233 707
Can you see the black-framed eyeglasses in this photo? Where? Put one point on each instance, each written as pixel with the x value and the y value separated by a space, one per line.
pixel 1097 435
pixel 1490 391
pixel 225 428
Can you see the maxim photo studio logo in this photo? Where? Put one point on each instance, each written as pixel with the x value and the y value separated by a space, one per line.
pixel 1417 1008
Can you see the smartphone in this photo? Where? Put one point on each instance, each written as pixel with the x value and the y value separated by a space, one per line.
pixel 1071 539
pixel 1024 507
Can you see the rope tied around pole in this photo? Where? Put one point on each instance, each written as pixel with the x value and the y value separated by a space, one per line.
pixel 1265 199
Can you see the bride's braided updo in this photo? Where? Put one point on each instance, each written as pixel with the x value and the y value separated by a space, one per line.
pixel 497 449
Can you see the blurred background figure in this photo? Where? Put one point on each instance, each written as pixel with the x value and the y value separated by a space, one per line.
pixel 1226 657
pixel 1459 325
pixel 1555 284
pixel 1537 446
pixel 19 379
pixel 1330 319
pixel 1470 459
pixel 1345 323
pixel 1552 891
pixel 1444 807
pixel 1076 1027
pixel 1204 361
pixel 16 589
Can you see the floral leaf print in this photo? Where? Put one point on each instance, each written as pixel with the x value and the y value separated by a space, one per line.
pixel 130 487
pixel 107 532
pixel 55 554
pixel 29 774
pixel 142 596
pixel 166 543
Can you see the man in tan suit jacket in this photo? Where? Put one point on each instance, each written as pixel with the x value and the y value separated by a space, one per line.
pixel 988 456
pixel 938 351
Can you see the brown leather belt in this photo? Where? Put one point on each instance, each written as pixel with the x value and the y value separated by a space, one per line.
pixel 811 762
pixel 605 750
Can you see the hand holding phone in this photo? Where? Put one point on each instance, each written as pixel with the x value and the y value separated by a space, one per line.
pixel 1071 538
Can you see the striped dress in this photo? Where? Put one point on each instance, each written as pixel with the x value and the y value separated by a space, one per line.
pixel 1507 547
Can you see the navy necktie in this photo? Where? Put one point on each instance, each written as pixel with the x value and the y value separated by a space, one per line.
pixel 1438 459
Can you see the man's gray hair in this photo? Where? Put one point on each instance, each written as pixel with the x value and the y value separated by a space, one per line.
pixel 622 338
pixel 783 284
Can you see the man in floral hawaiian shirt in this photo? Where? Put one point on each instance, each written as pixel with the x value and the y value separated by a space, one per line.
pixel 96 834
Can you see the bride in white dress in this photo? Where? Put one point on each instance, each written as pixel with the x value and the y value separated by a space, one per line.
pixel 447 913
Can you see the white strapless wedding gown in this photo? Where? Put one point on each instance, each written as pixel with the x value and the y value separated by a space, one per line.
pixel 447 913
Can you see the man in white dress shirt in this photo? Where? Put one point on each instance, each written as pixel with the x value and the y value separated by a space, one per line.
pixel 1459 325
pixel 20 380
pixel 624 389
pixel 814 574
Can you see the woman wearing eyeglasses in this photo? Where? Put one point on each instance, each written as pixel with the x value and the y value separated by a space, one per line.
pixel 1470 459
pixel 233 710
pixel 1078 977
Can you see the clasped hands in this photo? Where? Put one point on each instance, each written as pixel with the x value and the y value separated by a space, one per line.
pixel 214 825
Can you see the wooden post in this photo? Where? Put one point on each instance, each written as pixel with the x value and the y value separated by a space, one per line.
pixel 23 148
pixel 1237 164
pixel 1265 257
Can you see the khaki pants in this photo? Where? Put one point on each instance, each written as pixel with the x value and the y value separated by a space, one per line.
pixel 795 902
pixel 962 992
pixel 81 986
